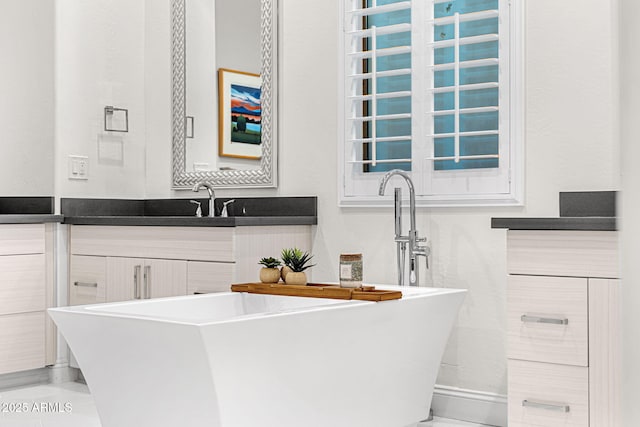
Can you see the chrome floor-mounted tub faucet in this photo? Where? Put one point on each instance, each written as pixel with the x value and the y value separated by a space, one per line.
pixel 412 239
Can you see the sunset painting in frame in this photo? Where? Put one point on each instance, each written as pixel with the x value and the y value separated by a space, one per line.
pixel 240 114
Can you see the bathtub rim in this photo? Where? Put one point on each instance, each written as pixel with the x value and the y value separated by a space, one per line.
pixel 101 309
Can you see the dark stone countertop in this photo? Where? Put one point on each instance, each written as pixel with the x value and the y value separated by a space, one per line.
pixel 255 211
pixel 27 210
pixel 29 218
pixel 190 221
pixel 561 223
pixel 579 210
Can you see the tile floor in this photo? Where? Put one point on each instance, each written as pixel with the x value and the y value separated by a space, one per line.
pixel 70 405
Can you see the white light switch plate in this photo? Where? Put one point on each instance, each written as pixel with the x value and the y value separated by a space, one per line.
pixel 78 167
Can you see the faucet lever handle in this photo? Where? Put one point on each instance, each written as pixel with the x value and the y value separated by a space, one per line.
pixel 198 209
pixel 225 212
pixel 424 251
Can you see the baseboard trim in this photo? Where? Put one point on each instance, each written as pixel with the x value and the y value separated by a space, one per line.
pixel 470 405
pixel 48 375
pixel 24 378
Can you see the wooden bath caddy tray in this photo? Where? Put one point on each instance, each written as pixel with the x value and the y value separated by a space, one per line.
pixel 317 290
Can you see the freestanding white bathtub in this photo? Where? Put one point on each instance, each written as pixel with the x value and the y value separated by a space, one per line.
pixel 244 360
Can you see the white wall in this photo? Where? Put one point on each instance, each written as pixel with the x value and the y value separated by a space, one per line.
pixel 100 61
pixel 26 100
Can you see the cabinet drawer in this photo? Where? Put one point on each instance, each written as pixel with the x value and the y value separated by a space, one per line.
pixel 547 395
pixel 205 277
pixel 25 333
pixel 180 243
pixel 88 278
pixel 563 253
pixel 22 283
pixel 547 319
pixel 18 239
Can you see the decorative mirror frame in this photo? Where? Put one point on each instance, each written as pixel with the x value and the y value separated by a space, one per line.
pixel 266 176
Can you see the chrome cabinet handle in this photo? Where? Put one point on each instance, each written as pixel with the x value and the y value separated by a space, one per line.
pixel 551 320
pixel 147 281
pixel 136 281
pixel 85 284
pixel 547 406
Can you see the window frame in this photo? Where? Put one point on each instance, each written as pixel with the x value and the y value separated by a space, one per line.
pixel 366 183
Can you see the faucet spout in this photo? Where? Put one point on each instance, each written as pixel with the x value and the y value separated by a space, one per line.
pixel 412 192
pixel 212 195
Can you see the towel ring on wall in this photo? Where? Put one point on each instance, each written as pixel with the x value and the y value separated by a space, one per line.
pixel 109 111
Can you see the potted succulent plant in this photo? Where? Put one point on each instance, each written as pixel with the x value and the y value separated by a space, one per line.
pixel 270 272
pixel 286 256
pixel 298 261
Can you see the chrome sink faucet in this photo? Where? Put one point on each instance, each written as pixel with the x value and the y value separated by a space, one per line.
pixel 212 195
pixel 412 239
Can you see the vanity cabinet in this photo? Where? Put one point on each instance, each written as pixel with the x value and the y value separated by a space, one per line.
pixel 120 263
pixel 563 345
pixel 26 291
pixel 117 263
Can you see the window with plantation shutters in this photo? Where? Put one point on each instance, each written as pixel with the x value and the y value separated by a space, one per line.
pixel 432 87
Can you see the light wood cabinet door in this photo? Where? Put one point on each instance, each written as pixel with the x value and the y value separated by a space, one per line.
pixel 605 356
pixel 23 341
pixel 23 284
pixel 87 280
pixel 136 278
pixel 124 278
pixel 164 278
pixel 205 277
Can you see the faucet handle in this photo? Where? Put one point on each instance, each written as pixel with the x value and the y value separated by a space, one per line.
pixel 421 239
pixel 198 209
pixel 225 212
pixel 424 251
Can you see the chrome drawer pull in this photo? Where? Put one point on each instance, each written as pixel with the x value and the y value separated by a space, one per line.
pixel 136 282
pixel 85 284
pixel 536 319
pixel 147 282
pixel 548 406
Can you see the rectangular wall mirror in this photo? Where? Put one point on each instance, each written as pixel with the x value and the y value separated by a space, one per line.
pixel 224 78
